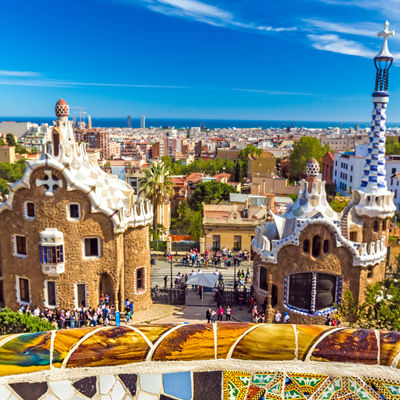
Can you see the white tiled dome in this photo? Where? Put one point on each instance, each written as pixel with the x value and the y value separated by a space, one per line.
pixel 313 167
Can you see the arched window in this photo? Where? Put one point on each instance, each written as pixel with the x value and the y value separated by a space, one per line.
pixel 263 279
pixel 326 246
pixel 375 226
pixel 384 225
pixel 316 246
pixel 306 246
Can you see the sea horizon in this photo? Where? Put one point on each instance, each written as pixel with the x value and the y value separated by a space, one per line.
pixel 116 122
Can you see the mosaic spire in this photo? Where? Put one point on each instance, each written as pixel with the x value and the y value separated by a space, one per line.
pixel 373 180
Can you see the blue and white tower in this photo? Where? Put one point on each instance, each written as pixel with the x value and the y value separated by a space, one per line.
pixel 373 198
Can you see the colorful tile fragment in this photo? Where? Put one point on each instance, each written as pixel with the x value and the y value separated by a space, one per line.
pixel 387 389
pixel 235 385
pixel 349 388
pixel 305 384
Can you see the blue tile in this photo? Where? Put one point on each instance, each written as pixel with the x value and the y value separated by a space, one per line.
pixel 178 384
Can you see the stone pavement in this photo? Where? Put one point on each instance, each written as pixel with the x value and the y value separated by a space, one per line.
pixel 156 312
pixel 164 313
pixel 197 314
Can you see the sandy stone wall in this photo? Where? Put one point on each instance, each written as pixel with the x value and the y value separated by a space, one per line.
pixel 51 212
pixel 137 255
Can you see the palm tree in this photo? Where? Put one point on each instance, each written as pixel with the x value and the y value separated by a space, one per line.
pixel 156 186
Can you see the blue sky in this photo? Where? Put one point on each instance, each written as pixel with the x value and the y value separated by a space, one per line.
pixel 240 59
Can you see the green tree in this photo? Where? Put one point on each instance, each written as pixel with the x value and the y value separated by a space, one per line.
pixel 167 160
pixel 12 172
pixel 10 139
pixel 339 203
pixel 303 151
pixel 381 308
pixel 14 322
pixel 156 186
pixel 211 192
pixel 392 146
pixel 188 220
pixel 3 187
pixel 19 149
pixel 34 150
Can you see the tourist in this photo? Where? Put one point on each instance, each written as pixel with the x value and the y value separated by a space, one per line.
pixel 248 276
pixel 208 315
pixel 286 318
pixel 241 300
pixel 252 303
pixel 220 313
pixel 106 316
pixel 277 317
pixel 165 281
pixel 228 313
pixel 328 320
pixel 213 316
pixel 254 313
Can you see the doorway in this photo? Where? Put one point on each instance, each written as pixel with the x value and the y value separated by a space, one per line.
pixel 106 287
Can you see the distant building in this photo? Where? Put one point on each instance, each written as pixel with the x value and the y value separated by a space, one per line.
pixel 272 185
pixel 231 226
pixel 18 129
pixel 99 139
pixel 89 122
pixel 343 142
pixel 7 154
pixel 142 122
pixel 328 161
pixel 263 165
pixel 129 122
pixel 228 154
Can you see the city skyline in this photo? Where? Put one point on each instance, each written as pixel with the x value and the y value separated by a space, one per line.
pixel 194 59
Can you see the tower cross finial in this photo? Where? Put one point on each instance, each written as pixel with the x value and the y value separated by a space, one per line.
pixel 385 34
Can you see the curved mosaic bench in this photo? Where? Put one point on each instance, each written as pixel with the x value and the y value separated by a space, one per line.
pixel 234 361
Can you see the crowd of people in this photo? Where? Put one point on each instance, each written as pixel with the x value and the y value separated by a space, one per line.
pixel 193 258
pixel 218 315
pixel 104 314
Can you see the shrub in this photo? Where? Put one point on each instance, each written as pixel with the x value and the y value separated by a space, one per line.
pixel 15 322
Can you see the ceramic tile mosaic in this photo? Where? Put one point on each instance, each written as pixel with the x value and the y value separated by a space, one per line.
pixel 108 346
pixel 210 385
pixel 359 346
pixel 386 389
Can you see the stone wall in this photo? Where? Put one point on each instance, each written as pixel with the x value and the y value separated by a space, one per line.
pixel 51 212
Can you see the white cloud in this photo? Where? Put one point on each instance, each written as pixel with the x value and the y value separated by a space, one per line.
pixel 72 84
pixel 19 74
pixel 197 8
pixel 358 29
pixel 203 12
pixel 336 44
pixel 271 29
pixel 56 83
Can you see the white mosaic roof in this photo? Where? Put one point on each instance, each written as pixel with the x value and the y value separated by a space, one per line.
pixel 108 194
